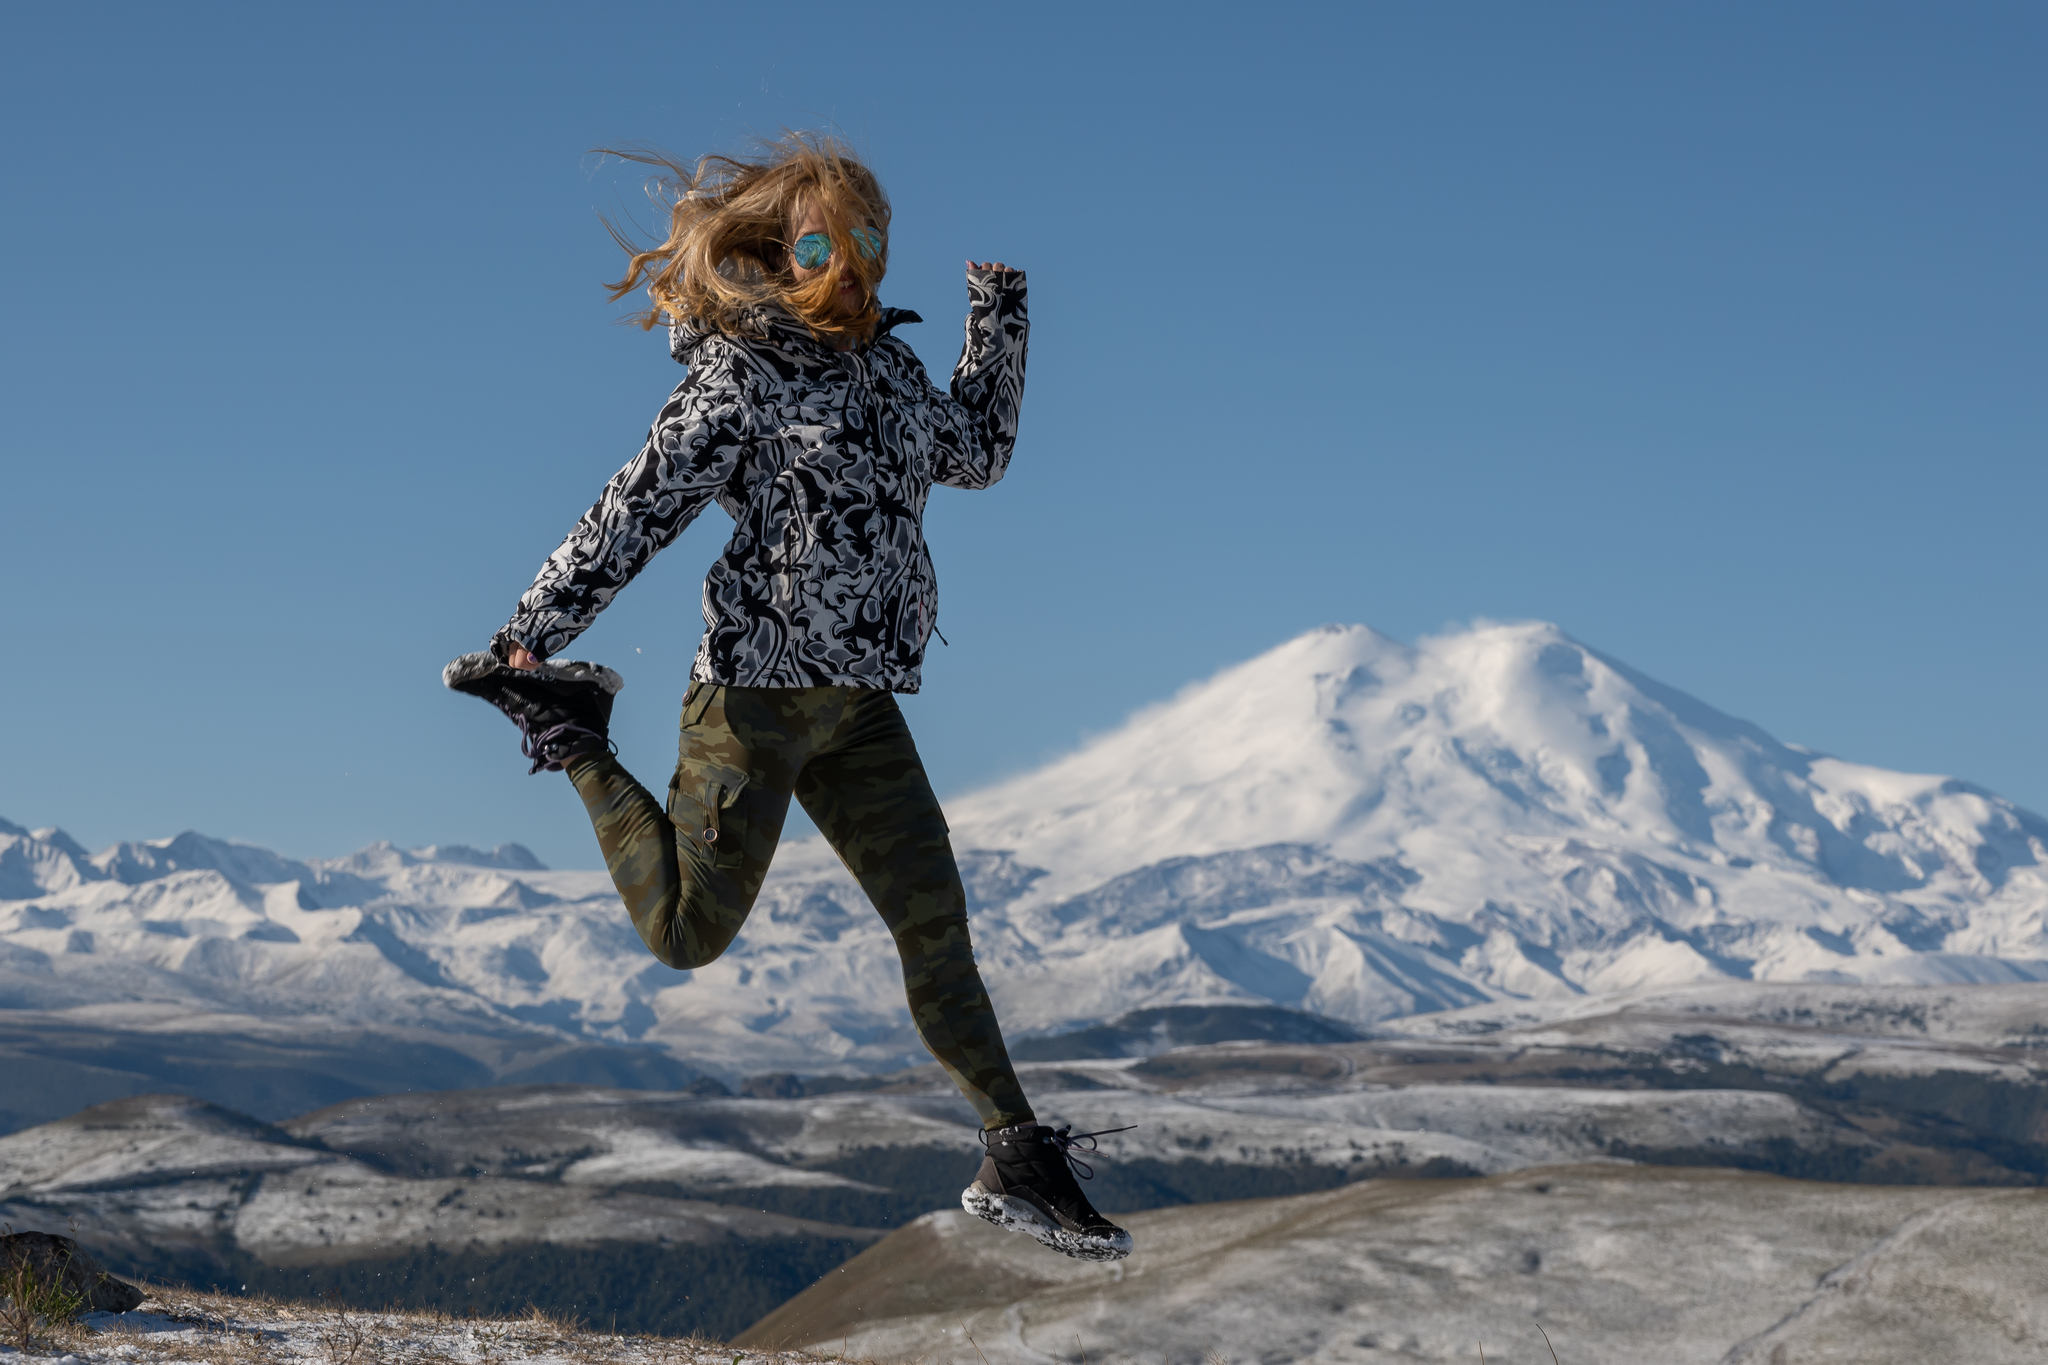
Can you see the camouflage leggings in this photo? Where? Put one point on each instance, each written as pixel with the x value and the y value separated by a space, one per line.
pixel 689 874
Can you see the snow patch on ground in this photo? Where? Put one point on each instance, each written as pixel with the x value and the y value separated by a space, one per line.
pixel 174 1326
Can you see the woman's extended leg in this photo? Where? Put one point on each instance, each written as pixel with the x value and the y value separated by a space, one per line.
pixel 868 793
pixel 689 872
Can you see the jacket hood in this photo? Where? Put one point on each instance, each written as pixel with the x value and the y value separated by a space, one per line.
pixel 774 324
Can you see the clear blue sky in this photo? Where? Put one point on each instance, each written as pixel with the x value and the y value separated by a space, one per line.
pixel 1716 333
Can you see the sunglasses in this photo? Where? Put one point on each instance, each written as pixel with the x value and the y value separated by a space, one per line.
pixel 813 249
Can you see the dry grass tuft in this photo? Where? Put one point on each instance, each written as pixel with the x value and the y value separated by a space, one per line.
pixel 342 1340
pixel 34 1306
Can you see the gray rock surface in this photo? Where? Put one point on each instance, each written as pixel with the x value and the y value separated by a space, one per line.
pixel 51 1258
pixel 1618 1265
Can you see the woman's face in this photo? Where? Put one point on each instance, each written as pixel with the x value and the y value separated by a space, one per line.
pixel 812 219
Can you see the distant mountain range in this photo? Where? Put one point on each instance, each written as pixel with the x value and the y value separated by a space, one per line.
pixel 1346 827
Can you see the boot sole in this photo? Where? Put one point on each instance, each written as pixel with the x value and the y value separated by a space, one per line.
pixel 471 669
pixel 1014 1215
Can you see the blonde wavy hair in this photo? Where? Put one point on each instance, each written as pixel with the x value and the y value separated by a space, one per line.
pixel 730 225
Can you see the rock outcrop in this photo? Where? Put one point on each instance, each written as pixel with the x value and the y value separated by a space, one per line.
pixel 51 1259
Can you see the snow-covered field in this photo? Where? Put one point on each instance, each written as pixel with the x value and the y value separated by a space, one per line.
pixel 641 1193
pixel 1615 1264
pixel 214 1329
pixel 1887 1084
pixel 1346 826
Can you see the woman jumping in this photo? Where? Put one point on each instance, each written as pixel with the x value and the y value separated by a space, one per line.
pixel 817 429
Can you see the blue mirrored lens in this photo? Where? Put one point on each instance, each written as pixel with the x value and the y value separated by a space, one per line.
pixel 812 250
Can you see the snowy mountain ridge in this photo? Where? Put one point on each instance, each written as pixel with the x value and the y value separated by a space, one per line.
pixel 1346 825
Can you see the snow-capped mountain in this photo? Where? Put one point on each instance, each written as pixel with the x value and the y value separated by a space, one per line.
pixel 1373 828
pixel 1345 825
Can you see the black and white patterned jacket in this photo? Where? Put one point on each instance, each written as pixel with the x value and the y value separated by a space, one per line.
pixel 824 459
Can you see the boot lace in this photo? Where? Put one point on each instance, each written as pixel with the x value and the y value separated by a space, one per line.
pixel 1066 1141
pixel 540 747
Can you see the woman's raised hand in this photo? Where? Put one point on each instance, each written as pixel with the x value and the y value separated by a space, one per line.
pixel 986 265
pixel 517 657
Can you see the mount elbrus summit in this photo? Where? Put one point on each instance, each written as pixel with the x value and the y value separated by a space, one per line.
pixel 1345 827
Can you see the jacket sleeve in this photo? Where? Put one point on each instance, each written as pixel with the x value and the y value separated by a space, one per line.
pixel 977 423
pixel 691 451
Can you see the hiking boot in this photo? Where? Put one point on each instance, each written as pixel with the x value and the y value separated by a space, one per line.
pixel 561 709
pixel 1026 1184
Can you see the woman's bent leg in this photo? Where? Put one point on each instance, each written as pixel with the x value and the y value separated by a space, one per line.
pixel 689 872
pixel 869 796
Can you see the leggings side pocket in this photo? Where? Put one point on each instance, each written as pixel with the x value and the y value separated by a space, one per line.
pixel 704 806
